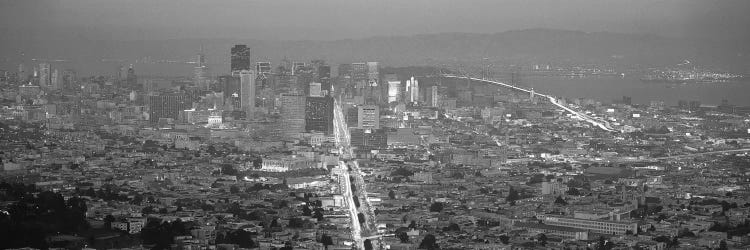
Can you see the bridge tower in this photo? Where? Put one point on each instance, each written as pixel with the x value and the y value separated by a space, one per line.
pixel 531 94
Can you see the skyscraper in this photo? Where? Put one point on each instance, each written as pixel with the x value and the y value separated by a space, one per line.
pixel 319 114
pixel 435 97
pixel 230 86
pixel 240 58
pixel 373 74
pixel 201 72
pixel 368 117
pixel 293 113
pixel 413 87
pixel 45 75
pixel 55 80
pixel 394 88
pixel 131 78
pixel 247 91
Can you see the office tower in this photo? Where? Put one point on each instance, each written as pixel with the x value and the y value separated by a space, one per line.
pixel 319 114
pixel 230 86
pixel 368 117
pixel 413 87
pixel 296 66
pixel 435 97
pixel 324 77
pixel 292 113
pixel 167 106
pixel 247 91
pixel 55 80
pixel 345 70
pixel 131 78
pixel 69 79
pixel 394 88
pixel 373 74
pixel 359 73
pixel 240 59
pixel 22 72
pixel 315 89
pixel 200 77
pixel 263 68
pixel 45 75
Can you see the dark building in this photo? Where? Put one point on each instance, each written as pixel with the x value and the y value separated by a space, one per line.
pixel 319 114
pixel 131 79
pixel 324 76
pixel 240 58
pixel 168 106
pixel 230 86
pixel 366 139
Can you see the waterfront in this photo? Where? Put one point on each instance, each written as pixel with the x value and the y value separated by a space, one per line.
pixel 607 89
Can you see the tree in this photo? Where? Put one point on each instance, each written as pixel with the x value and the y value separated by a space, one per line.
pixel 403 237
pixel 234 189
pixel 452 227
pixel 368 244
pixel 543 239
pixel 436 207
pixel 723 245
pixel 318 214
pixel 361 218
pixel 512 196
pixel 504 239
pixel 573 191
pixel 429 242
pixel 326 240
pixel 560 201
pixel 391 194
pixel 306 211
pixel 108 221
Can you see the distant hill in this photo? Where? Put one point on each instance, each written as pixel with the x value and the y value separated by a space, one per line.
pixel 522 46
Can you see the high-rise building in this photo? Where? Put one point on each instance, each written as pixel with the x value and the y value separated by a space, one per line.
pixel 69 79
pixel 168 106
pixel 55 80
pixel 247 91
pixel 240 59
pixel 200 77
pixel 45 75
pixel 131 78
pixel 368 117
pixel 292 113
pixel 319 114
pixel 22 72
pixel 373 74
pixel 359 73
pixel 263 68
pixel 345 70
pixel 230 86
pixel 435 97
pixel 413 87
pixel 315 89
pixel 394 88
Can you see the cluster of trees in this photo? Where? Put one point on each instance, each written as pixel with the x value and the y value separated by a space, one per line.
pixel 429 242
pixel 161 233
pixel 239 237
pixel 28 221
pixel 436 207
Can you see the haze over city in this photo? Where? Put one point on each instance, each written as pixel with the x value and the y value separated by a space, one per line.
pixel 353 124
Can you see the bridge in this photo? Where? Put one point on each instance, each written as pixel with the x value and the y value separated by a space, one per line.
pixel 602 124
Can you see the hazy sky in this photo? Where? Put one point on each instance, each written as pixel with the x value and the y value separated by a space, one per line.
pixel 337 19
